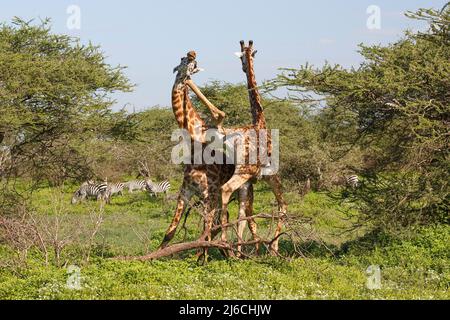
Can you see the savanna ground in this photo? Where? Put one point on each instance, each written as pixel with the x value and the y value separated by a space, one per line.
pixel 414 267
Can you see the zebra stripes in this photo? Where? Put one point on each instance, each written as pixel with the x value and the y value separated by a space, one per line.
pixel 104 190
pixel 88 190
pixel 116 188
pixel 155 188
pixel 136 185
pixel 353 181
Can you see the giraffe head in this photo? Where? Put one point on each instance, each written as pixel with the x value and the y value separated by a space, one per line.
pixel 246 55
pixel 186 68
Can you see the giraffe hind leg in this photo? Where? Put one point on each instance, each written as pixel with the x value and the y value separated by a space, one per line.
pixel 249 212
pixel 183 200
pixel 275 183
pixel 227 190
pixel 245 196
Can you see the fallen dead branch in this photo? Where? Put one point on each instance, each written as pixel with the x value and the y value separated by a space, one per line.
pixel 197 244
pixel 202 243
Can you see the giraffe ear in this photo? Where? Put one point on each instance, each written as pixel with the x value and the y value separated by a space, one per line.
pixel 239 54
pixel 254 53
pixel 200 69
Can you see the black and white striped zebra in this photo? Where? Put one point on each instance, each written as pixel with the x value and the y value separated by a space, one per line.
pixel 116 188
pixel 159 187
pixel 352 181
pixel 140 185
pixel 89 190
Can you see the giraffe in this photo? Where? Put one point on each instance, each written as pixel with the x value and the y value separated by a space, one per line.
pixel 202 179
pixel 210 177
pixel 248 172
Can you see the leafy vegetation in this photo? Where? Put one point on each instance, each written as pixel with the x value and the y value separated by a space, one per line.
pixel 395 107
pixel 415 267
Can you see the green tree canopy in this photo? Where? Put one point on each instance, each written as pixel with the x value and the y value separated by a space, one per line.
pixel 395 106
pixel 54 95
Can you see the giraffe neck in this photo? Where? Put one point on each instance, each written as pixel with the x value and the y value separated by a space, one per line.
pixel 185 113
pixel 259 119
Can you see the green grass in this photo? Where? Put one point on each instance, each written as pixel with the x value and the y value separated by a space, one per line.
pixel 413 267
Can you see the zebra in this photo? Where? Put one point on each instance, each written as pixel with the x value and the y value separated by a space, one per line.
pixel 88 183
pixel 87 189
pixel 116 188
pixel 353 181
pixel 140 185
pixel 155 188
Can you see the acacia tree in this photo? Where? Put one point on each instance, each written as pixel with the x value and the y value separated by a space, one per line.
pixel 54 97
pixel 395 106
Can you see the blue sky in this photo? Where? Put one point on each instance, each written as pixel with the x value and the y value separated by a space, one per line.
pixel 149 37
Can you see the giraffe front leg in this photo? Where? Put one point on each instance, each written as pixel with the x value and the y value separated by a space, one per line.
pixel 210 195
pixel 209 214
pixel 217 114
